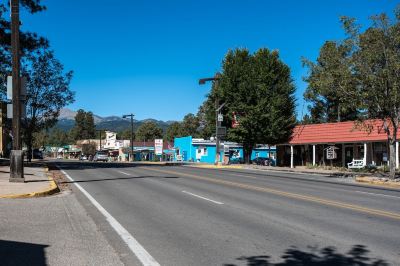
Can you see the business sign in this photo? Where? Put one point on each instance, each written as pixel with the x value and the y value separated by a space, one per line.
pixel 221 131
pixel 331 153
pixel 158 146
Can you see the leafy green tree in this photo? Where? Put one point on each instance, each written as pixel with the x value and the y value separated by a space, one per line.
pixel 148 131
pixel 125 134
pixel 327 77
pixel 367 78
pixel 47 92
pixel 29 42
pixel 58 138
pixel 174 131
pixel 190 125
pixel 259 87
pixel 84 126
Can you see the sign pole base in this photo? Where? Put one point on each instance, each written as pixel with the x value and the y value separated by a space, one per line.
pixel 17 166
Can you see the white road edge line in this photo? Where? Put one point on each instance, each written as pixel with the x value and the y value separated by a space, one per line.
pixel 145 258
pixel 123 173
pixel 377 194
pixel 197 196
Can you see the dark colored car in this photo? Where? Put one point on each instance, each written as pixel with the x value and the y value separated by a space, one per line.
pixel 263 161
pixel 37 154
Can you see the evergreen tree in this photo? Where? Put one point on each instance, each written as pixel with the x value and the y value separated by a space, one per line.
pixel 148 131
pixel 174 130
pixel 84 126
pixel 258 87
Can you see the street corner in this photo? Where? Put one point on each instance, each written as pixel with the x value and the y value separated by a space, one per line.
pixel 379 181
pixel 39 182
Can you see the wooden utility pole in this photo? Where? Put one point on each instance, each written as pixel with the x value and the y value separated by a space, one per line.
pixel 16 162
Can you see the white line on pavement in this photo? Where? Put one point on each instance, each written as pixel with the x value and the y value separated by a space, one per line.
pixel 200 197
pixel 124 173
pixel 377 194
pixel 145 258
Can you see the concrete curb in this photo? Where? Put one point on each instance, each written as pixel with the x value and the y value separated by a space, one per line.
pixel 369 180
pixel 53 188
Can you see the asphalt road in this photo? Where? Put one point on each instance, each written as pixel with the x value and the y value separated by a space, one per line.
pixel 190 216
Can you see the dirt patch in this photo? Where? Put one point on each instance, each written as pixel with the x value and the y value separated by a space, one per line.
pixel 59 178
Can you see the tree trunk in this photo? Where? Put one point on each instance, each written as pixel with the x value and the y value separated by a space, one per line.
pixel 29 151
pixel 247 149
pixel 392 159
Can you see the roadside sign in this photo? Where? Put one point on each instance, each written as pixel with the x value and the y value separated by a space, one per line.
pixel 220 118
pixel 158 146
pixel 221 131
pixel 331 153
pixel 9 88
pixel 10 110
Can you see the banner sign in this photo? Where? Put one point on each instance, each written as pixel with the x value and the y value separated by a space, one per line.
pixel 158 146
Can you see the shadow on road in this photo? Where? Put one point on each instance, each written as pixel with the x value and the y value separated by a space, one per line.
pixel 356 256
pixel 21 254
pixel 117 178
pixel 78 165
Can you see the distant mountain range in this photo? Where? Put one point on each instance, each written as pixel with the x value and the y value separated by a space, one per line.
pixel 66 121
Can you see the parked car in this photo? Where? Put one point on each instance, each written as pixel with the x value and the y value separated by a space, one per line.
pixel 101 156
pixel 263 161
pixel 83 157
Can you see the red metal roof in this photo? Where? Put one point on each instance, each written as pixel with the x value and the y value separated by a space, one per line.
pixel 339 132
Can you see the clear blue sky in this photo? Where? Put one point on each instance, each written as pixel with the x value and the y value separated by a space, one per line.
pixel 146 56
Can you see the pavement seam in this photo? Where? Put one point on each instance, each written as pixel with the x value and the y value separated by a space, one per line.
pixel 52 189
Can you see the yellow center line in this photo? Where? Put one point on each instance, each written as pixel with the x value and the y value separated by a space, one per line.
pixel 358 208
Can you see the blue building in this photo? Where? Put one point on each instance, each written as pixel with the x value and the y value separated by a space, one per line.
pixel 190 149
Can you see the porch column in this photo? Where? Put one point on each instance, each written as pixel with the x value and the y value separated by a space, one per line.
pixel 397 154
pixel 291 156
pixel 313 155
pixel 365 154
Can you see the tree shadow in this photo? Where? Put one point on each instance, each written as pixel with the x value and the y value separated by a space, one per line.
pixel 81 165
pixel 21 254
pixel 328 256
pixel 113 179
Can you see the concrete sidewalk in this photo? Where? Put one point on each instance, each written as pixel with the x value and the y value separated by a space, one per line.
pixel 38 182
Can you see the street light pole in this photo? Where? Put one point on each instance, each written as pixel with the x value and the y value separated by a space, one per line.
pixel 16 160
pixel 131 116
pixel 217 110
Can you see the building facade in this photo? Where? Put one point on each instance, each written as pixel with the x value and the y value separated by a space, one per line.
pixel 337 144
pixel 188 149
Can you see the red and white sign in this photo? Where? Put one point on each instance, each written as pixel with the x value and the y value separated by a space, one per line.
pixel 158 146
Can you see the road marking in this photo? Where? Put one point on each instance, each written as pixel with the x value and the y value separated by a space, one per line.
pixel 343 205
pixel 124 173
pixel 377 194
pixel 197 196
pixel 145 258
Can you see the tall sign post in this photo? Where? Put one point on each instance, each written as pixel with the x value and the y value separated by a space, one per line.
pixel 16 160
pixel 131 116
pixel 158 147
pixel 217 117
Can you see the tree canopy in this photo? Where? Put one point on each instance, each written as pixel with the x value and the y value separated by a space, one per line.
pixel 361 73
pixel 258 87
pixel 148 131
pixel 84 126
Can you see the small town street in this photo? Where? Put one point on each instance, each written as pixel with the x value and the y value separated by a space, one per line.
pixel 191 216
